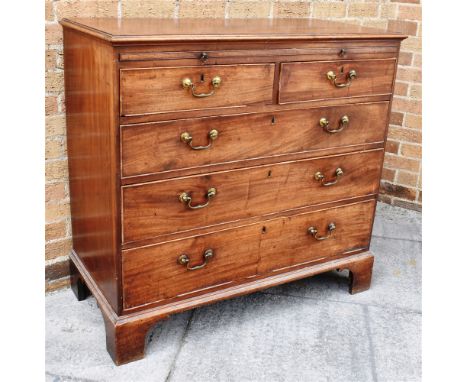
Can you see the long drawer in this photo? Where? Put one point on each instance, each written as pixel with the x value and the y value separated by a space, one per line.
pixel 162 271
pixel 157 90
pixel 215 140
pixel 184 204
pixel 305 81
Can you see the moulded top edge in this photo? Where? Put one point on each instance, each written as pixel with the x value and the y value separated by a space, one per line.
pixel 189 30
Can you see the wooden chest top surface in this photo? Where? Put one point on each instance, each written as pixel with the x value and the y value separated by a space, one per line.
pixel 166 30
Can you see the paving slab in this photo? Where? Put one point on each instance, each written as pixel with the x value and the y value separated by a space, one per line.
pixel 275 338
pixel 396 279
pixel 396 343
pixel 76 344
pixel 397 223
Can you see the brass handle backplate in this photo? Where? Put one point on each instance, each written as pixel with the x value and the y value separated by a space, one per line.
pixel 187 83
pixel 185 260
pixel 314 232
pixel 321 178
pixel 349 78
pixel 185 198
pixel 186 137
pixel 325 124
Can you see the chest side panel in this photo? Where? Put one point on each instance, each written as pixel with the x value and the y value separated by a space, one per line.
pixel 92 140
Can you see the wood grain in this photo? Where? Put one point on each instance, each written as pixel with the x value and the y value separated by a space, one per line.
pixel 145 30
pixel 154 209
pixel 153 274
pixel 157 90
pixel 145 146
pixel 304 81
pixel 93 157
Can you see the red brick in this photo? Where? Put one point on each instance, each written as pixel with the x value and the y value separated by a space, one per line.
pixel 398 191
pixel 401 89
pixel 58 248
pixel 55 192
pixel 407 178
pixel 404 134
pixel 409 74
pixel 54 82
pixel 55 125
pixel 412 151
pixel 329 9
pixel 49 10
pixel 384 199
pixel 55 148
pixel 412 44
pixel 417 61
pixel 415 91
pixel 392 147
pixel 249 9
pixel 56 170
pixel 291 9
pixel 409 12
pixel 407 204
pixel 53 285
pixel 87 8
pixel 363 10
pixel 56 212
pixel 407 105
pixel 57 270
pixel 196 8
pixel 413 121
pixel 388 174
pixel 396 118
pixel 53 34
pixel 55 230
pixel 400 163
pixel 405 27
pixel 405 58
pixel 51 106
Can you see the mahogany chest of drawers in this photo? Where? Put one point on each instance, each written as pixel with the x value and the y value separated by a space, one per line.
pixel 213 159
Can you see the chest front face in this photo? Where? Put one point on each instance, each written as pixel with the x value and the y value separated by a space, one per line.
pixel 224 162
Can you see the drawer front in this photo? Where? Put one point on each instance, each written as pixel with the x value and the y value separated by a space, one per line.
pixel 157 90
pixel 306 81
pixel 161 207
pixel 155 273
pixel 145 147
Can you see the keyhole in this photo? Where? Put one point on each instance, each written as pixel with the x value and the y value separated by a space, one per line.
pixel 264 229
pixel 269 174
pixel 202 78
pixel 273 120
pixel 342 70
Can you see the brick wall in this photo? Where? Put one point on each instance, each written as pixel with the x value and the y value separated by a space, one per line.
pixel 401 184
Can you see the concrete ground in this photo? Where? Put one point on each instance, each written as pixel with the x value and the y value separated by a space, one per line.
pixel 309 330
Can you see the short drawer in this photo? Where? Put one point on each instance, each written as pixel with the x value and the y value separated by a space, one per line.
pixel 161 272
pixel 183 144
pixel 306 81
pixel 163 207
pixel 158 90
